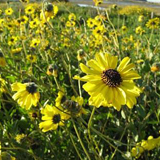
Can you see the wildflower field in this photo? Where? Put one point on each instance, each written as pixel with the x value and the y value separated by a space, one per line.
pixel 79 83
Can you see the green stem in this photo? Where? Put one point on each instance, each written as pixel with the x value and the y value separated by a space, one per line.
pixel 79 138
pixel 75 147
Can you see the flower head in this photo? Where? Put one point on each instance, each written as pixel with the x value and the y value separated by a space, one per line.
pixel 153 23
pixel 26 95
pixel 52 70
pixel 29 10
pixel 108 85
pixel 9 11
pixel 98 2
pixel 50 11
pixel 31 58
pixel 52 117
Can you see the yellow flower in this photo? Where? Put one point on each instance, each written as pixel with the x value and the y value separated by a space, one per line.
pixel 9 11
pixel 16 51
pixel 148 144
pixel 34 23
pixel 70 24
pixel 98 31
pixel 1 21
pixel 34 43
pixel 140 18
pixel 19 137
pixel 26 95
pixel 50 11
pixel 52 70
pixel 72 17
pixel 153 23
pixel 12 40
pixel 97 2
pixel 22 20
pixel 108 86
pixel 155 67
pixel 124 28
pixel 9 25
pixel 90 23
pixel 139 30
pixel 31 58
pixel 80 54
pixel 29 10
pixel 60 98
pixel 52 118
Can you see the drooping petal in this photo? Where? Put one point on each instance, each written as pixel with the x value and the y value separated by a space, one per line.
pixel 28 102
pixel 46 125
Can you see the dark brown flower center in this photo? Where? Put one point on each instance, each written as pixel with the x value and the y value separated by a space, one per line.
pixel 111 78
pixel 34 115
pixel 49 7
pixel 56 118
pixel 31 87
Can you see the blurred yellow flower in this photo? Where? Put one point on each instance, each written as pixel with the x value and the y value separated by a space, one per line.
pixel 35 42
pixel 153 23
pixel 90 23
pixel 9 11
pixel 97 2
pixel 148 144
pixel 19 137
pixel 155 68
pixel 52 70
pixel 50 11
pixel 72 17
pixel 140 18
pixel 16 51
pixel 124 28
pixel 29 9
pixel 34 23
pixel 70 24
pixel 139 30
pixel 12 40
pixel 31 58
